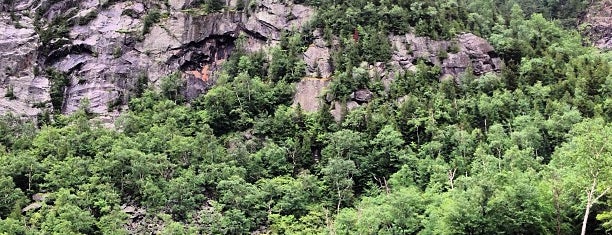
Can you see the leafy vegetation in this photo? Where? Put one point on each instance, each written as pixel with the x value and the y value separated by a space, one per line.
pixel 152 17
pixel 58 81
pixel 525 151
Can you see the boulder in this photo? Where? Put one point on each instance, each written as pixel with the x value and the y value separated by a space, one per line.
pixel 129 209
pixel 39 197
pixel 338 110
pixel 32 206
pixel 362 95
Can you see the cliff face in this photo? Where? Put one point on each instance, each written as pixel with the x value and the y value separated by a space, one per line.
pixel 55 54
pixel 598 23
pixel 21 89
pixel 455 57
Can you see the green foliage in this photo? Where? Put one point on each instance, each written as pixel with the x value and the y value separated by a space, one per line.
pixel 337 175
pixel 210 5
pixel 286 64
pixel 428 18
pixel 12 199
pixel 54 35
pixel 234 105
pixel 151 18
pixel 58 81
pixel 84 20
pixel 10 93
pixel 390 213
pixel 583 163
pixel 171 87
pixel 525 151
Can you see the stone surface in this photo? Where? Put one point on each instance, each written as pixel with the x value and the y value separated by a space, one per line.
pixel 362 95
pixel 39 197
pixel 318 62
pixel 598 22
pixel 454 56
pixel 317 58
pixel 32 206
pixel 339 110
pixel 105 54
pixel 20 88
pixel 308 93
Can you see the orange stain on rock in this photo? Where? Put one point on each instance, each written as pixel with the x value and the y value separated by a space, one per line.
pixel 203 74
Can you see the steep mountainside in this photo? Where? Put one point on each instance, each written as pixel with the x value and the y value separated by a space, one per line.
pixel 55 54
pixel 305 117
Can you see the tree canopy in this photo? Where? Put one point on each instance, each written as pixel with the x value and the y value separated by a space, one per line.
pixel 523 151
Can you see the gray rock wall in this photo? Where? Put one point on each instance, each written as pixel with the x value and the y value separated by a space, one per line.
pixel 20 87
pixel 105 55
pixel 454 56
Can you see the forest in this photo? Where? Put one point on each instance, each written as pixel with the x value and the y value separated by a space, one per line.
pixel 523 151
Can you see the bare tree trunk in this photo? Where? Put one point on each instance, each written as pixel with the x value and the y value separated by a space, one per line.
pixel 386 186
pixel 586 213
pixel 590 201
pixel 451 177
pixel 339 199
pixel 30 178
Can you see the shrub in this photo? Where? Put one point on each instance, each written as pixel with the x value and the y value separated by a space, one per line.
pixel 150 19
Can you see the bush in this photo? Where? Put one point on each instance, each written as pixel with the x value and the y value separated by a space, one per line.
pixel 87 18
pixel 58 81
pixel 171 87
pixel 150 19
pixel 10 94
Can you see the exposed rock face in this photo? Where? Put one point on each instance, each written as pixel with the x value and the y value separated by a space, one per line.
pixel 20 88
pixel 599 24
pixel 317 58
pixel 107 53
pixel 339 110
pixel 308 92
pixel 454 57
pixel 106 56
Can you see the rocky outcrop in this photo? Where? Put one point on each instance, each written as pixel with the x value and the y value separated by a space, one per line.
pixel 308 93
pixel 109 49
pixel 454 56
pixel 107 52
pixel 466 52
pixel 22 90
pixel 38 199
pixel 598 24
pixel 317 58
pixel 362 95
